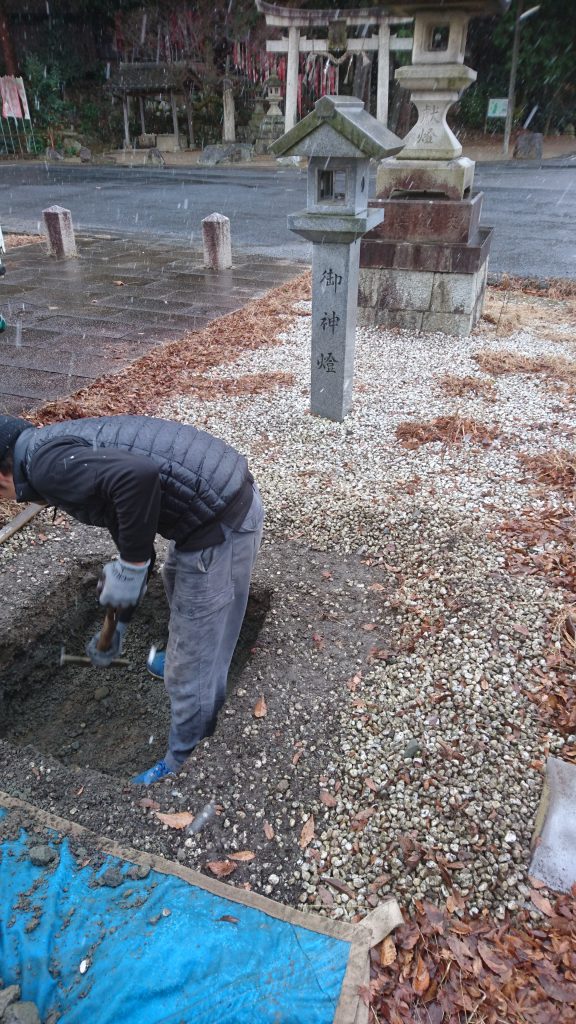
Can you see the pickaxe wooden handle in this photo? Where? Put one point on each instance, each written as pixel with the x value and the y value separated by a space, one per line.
pixel 104 641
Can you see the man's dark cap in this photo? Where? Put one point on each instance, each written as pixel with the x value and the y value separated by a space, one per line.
pixel 10 429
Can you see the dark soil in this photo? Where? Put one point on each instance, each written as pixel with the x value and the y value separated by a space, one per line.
pixel 70 748
pixel 113 720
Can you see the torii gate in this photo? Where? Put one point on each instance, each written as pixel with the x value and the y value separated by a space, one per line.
pixel 294 44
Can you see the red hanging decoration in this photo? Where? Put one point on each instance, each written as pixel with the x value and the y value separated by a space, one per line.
pixel 119 36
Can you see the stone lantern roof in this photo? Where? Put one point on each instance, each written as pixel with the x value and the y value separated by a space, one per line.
pixel 338 125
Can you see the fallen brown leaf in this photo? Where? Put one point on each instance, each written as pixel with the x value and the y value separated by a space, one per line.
pixel 327 799
pixel 455 902
pixel 179 820
pixel 518 627
pixel 354 682
pixel 388 952
pixel 361 818
pixel 338 885
pixel 307 834
pixel 494 962
pixel 558 990
pixel 230 918
pixel 221 868
pixel 242 855
pixel 260 709
pixel 461 951
pixel 421 979
pixel 542 903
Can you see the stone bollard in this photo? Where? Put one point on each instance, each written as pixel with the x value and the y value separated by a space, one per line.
pixel 217 244
pixel 60 232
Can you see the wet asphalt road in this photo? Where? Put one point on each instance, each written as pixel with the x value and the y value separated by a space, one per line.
pixel 533 208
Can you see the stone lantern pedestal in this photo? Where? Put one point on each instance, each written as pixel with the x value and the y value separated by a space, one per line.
pixel 425 266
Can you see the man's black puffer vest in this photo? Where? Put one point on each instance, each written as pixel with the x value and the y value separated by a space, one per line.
pixel 203 480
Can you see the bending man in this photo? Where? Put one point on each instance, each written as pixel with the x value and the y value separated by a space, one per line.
pixel 139 476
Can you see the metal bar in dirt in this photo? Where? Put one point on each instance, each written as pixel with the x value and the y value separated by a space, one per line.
pixel 19 521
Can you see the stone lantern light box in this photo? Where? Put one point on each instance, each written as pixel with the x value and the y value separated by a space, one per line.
pixel 339 137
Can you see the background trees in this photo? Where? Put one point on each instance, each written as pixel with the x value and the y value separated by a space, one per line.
pixel 66 49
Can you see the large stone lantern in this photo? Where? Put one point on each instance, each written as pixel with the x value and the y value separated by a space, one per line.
pixel 339 138
pixel 426 266
pixel 274 94
pixel 271 125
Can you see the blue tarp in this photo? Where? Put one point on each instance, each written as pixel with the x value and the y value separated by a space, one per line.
pixel 158 950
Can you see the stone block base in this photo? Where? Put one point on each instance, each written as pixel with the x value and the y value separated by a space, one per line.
pixel 168 143
pixel 449 303
pixel 450 178
pixel 426 219
pixel 424 266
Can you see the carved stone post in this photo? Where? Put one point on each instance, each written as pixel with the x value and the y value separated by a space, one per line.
pixel 339 137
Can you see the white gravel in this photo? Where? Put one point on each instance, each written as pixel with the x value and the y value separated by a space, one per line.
pixel 440 746
pixel 442 752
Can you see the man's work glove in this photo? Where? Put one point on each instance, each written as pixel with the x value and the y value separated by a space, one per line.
pixel 101 659
pixel 122 584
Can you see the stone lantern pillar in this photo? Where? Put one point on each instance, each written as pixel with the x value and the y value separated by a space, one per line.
pixel 425 268
pixel 339 138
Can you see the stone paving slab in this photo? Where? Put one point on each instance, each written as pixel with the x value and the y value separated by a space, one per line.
pixel 74 315
pixel 39 384
pixel 36 339
pixel 43 359
pixel 554 856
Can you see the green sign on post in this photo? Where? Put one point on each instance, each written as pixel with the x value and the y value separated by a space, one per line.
pixel 497 108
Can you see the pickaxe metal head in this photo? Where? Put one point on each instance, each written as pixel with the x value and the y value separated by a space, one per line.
pixel 81 659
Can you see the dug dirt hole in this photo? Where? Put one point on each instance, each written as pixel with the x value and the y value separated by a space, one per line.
pixel 113 720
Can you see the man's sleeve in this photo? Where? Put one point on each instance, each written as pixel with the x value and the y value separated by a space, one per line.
pixel 127 485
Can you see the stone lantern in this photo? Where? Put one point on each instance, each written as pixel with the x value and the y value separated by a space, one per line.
pixel 426 266
pixel 271 125
pixel 273 95
pixel 339 138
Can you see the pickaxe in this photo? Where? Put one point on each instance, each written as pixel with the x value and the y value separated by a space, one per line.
pixel 102 644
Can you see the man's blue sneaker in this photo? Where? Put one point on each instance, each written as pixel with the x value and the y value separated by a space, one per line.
pixel 158 771
pixel 155 663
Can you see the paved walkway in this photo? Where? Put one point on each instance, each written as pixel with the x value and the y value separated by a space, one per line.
pixel 75 320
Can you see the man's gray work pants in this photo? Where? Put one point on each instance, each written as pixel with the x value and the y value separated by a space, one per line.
pixel 207 592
